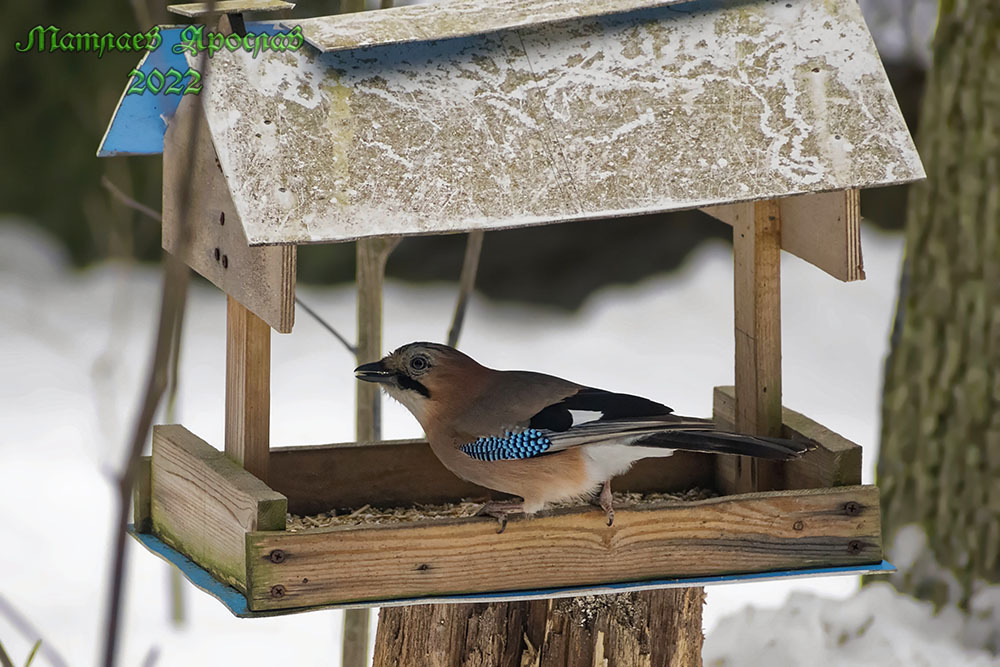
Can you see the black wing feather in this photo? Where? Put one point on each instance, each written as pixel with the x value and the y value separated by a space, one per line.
pixel 557 417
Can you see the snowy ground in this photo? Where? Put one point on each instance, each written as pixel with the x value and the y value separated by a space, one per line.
pixel 75 347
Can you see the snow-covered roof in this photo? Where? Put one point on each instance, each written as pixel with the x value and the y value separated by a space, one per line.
pixel 666 106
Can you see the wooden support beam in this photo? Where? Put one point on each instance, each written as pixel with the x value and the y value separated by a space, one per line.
pixel 318 478
pixel 757 291
pixel 824 229
pixel 835 461
pixel 261 278
pixel 204 504
pixel 572 547
pixel 372 255
pixel 248 389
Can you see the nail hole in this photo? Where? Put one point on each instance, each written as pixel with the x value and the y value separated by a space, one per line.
pixel 281 189
pixel 225 262
pixel 798 525
pixel 257 135
pixel 222 218
pixel 217 254
pixel 267 122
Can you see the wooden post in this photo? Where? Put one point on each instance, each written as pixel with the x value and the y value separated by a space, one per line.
pixel 654 628
pixel 757 291
pixel 371 258
pixel 372 255
pixel 248 388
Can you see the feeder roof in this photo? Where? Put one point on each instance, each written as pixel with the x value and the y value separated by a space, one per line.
pixel 659 108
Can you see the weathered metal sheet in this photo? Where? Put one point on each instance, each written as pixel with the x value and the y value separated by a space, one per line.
pixel 139 121
pixel 661 109
pixel 447 19
pixel 195 9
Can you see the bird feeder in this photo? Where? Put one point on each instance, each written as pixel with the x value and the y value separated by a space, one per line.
pixel 468 115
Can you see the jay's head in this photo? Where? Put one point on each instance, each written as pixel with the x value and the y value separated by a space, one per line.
pixel 419 373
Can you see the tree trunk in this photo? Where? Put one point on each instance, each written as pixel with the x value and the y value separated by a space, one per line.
pixel 647 629
pixel 939 464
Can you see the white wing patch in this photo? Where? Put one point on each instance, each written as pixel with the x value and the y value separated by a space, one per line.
pixel 584 416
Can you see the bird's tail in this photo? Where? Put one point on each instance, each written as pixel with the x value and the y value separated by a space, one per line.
pixel 723 442
pixel 680 433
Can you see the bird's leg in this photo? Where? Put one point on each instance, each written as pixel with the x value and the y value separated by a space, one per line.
pixel 500 509
pixel 607 502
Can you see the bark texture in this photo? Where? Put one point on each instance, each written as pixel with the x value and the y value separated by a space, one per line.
pixel 646 629
pixel 939 464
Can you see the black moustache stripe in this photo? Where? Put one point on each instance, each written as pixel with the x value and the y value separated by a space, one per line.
pixel 406 382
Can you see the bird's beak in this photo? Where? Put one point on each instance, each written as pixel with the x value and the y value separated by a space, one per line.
pixel 373 372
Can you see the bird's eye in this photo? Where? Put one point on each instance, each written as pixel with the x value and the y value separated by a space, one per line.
pixel 418 363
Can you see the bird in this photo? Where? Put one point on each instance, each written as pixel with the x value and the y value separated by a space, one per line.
pixel 538 437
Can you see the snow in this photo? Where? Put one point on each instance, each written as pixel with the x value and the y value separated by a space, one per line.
pixel 876 627
pixel 74 355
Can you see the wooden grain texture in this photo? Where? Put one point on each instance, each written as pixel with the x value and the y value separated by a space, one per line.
pixel 449 19
pixel 824 229
pixel 248 389
pixel 565 121
pixel 638 629
pixel 372 255
pixel 836 461
pixel 203 504
pixel 749 533
pixel 262 279
pixel 196 9
pixel 402 472
pixel 141 492
pixel 757 296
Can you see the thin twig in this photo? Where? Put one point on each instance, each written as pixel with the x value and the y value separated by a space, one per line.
pixel 5 660
pixel 470 266
pixel 326 325
pixel 128 201
pixel 174 294
pixel 152 656
pixel 30 632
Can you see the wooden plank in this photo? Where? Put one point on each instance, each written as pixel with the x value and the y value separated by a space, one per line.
pixel 372 255
pixel 141 492
pixel 195 9
pixel 752 533
pixel 836 461
pixel 450 19
pixel 600 106
pixel 404 472
pixel 262 279
pixel 203 504
pixel 824 229
pixel 757 296
pixel 248 389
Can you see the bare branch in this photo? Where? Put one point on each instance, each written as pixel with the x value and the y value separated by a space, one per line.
pixel 30 632
pixel 128 201
pixel 4 658
pixel 470 266
pixel 350 348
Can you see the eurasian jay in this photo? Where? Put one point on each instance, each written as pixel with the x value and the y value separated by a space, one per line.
pixel 520 432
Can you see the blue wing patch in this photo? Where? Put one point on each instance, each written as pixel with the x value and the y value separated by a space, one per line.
pixel 524 445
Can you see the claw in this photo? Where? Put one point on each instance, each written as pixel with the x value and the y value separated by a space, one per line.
pixel 499 510
pixel 607 502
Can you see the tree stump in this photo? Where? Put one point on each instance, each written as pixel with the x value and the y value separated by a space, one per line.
pixel 649 629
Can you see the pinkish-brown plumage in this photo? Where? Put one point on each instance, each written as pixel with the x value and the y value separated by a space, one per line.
pixel 459 401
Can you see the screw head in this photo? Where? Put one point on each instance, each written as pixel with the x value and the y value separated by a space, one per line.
pixel 277 591
pixel 854 547
pixel 277 556
pixel 852 508
pixel 798 525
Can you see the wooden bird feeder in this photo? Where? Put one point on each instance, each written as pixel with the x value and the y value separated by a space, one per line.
pixel 468 115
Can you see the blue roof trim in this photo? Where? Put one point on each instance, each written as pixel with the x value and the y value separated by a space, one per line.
pixel 237 603
pixel 140 121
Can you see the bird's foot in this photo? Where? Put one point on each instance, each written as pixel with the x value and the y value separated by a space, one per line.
pixel 607 502
pixel 499 509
